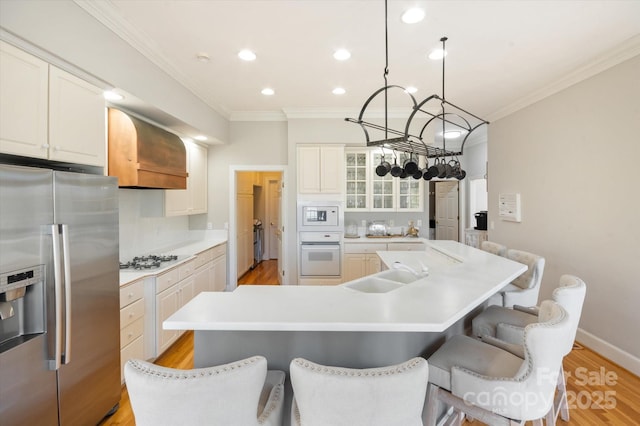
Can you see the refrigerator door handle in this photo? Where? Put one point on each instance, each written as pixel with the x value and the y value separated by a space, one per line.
pixel 54 364
pixel 66 256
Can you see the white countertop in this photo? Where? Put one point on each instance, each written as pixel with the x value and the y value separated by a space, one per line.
pixel 186 250
pixel 460 279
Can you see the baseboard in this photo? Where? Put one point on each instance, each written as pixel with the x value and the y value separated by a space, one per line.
pixel 607 350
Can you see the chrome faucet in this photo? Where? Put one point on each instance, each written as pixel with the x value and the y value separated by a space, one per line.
pixel 423 273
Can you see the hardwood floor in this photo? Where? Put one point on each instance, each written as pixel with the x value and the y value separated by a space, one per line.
pixel 266 272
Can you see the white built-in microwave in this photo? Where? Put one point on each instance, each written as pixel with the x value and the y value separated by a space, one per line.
pixel 325 217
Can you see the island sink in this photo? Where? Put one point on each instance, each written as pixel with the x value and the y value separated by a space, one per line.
pixel 382 282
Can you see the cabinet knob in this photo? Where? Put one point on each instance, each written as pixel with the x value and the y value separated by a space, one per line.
pixel 45 146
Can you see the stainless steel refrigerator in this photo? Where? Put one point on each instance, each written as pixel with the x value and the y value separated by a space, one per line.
pixel 59 291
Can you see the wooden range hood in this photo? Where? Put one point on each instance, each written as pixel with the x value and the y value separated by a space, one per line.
pixel 145 156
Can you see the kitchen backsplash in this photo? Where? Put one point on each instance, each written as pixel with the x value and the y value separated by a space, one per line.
pixel 397 222
pixel 145 230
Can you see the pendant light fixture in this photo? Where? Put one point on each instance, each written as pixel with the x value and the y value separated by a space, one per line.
pixel 410 141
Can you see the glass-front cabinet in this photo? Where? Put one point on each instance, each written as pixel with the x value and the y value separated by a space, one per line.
pixel 366 191
pixel 357 194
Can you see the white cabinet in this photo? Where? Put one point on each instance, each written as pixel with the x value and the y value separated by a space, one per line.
pixel 24 104
pixel 360 259
pixel 193 200
pixel 320 169
pixel 366 191
pixel 357 193
pixel 48 113
pixel 174 289
pixel 132 311
pixel 219 266
pixel 211 269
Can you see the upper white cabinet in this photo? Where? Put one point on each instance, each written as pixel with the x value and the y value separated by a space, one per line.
pixel 366 191
pixel 320 169
pixel 24 84
pixel 48 113
pixel 192 200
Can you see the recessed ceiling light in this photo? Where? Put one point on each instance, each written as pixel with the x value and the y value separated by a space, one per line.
pixel 200 138
pixel 338 91
pixel 247 55
pixel 342 54
pixel 110 95
pixel 413 15
pixel 411 89
pixel 452 134
pixel 202 57
pixel 267 91
pixel 437 54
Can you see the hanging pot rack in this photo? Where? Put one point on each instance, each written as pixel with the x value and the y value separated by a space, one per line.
pixel 412 143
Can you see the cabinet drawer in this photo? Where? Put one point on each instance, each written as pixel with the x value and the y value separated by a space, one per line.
pixel 131 332
pixel 134 350
pixel 364 248
pixel 406 247
pixel 218 251
pixel 131 313
pixel 203 258
pixel 131 293
pixel 186 269
pixel 166 280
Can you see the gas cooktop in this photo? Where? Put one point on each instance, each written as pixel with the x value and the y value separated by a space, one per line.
pixel 151 261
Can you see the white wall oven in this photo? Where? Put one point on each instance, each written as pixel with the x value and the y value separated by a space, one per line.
pixel 320 226
pixel 320 254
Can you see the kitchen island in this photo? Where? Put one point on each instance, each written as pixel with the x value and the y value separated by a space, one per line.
pixel 374 321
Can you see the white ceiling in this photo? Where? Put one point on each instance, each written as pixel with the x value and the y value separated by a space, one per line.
pixel 502 54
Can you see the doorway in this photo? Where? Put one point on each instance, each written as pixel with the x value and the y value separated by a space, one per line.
pixel 446 209
pixel 255 220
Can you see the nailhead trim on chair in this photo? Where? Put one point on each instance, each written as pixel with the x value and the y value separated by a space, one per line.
pixel 350 372
pixel 277 393
pixel 527 356
pixel 192 374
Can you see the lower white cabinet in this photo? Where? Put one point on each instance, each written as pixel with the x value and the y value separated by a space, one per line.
pixel 132 312
pixel 360 259
pixel 211 269
pixel 169 291
pixel 174 289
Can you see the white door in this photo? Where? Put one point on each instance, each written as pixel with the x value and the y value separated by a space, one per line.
pixel 447 210
pixel 273 211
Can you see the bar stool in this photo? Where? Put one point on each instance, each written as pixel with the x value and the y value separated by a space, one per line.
pixel 336 396
pixel 493 385
pixel 238 393
pixel 507 326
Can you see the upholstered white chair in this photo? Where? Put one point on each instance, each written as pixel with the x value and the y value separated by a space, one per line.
pixel 494 248
pixel 523 290
pixel 507 326
pixel 387 396
pixel 495 386
pixel 238 393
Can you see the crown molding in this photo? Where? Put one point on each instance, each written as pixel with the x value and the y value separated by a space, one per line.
pixel 105 12
pixel 257 116
pixel 627 50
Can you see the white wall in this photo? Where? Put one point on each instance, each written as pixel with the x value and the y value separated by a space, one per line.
pixel 251 143
pixel 574 159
